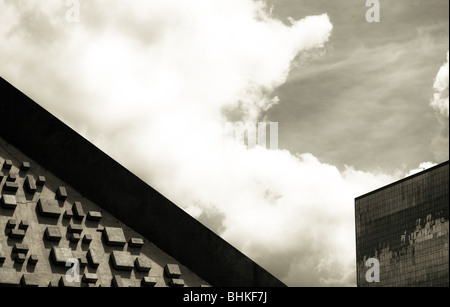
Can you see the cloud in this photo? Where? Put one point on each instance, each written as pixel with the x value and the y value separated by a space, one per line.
pixel 422 166
pixel 439 103
pixel 440 97
pixel 151 83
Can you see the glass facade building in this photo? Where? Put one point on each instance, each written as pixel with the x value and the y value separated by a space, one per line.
pixel 402 232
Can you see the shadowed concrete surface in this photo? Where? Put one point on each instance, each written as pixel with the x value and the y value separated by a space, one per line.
pixel 79 203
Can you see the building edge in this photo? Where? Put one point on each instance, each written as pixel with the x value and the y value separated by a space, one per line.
pixel 403 179
pixel 46 139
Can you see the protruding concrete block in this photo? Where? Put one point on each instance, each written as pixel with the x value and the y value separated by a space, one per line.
pixel 21 248
pixel 7 164
pixel 30 184
pixel 12 223
pixel 142 264
pixel 94 216
pixel 11 186
pixel 114 236
pixel 16 234
pixel 93 257
pixel 78 211
pixel 33 259
pixel 172 270
pixel 63 282
pixel 61 193
pixel 41 180
pixel 24 224
pixel 25 166
pixel 29 280
pixel 53 233
pixel 60 255
pixel 83 261
pixel 68 214
pixel 136 242
pixel 11 177
pixel 75 237
pixel 176 282
pixel 20 258
pixel 9 278
pixel 148 281
pixel 49 207
pixel 87 238
pixel 8 201
pixel 117 281
pixel 75 228
pixel 122 260
pixel 2 254
pixel 90 277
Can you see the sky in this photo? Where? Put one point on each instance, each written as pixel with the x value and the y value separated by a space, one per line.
pixel 153 83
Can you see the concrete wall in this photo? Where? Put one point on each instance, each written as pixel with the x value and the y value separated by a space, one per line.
pixel 99 178
pixel 23 222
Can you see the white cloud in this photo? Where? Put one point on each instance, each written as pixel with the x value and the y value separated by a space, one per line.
pixel 440 142
pixel 422 166
pixel 440 97
pixel 142 80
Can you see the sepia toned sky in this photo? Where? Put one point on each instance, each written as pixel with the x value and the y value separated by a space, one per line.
pixel 370 85
pixel 358 104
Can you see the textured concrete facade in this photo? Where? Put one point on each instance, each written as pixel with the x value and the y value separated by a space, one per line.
pixel 405 227
pixel 45 222
pixel 68 189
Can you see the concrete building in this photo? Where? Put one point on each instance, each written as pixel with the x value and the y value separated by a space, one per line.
pixel 402 233
pixel 68 210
